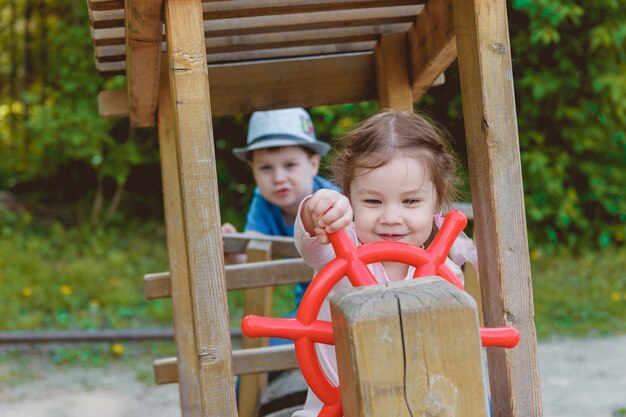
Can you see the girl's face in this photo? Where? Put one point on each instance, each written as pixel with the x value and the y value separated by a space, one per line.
pixel 395 202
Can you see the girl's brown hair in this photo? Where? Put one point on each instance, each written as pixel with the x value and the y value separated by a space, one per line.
pixel 375 141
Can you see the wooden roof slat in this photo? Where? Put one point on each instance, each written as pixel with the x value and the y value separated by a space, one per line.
pixel 111 53
pixel 245 8
pixel 256 55
pixel 286 23
pixel 101 19
pixel 306 21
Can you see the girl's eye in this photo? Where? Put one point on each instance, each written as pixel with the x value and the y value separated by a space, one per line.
pixel 412 201
pixel 265 168
pixel 372 202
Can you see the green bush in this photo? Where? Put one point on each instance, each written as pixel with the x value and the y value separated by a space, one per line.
pixel 570 85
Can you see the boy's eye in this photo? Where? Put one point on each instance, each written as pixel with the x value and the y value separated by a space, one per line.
pixel 291 165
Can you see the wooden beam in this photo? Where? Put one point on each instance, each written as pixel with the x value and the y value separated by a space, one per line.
pixel 264 54
pixel 245 361
pixel 432 47
pixel 497 193
pixel 392 76
pixel 427 331
pixel 178 281
pixel 240 276
pixel 288 52
pixel 282 246
pixel 113 103
pixel 195 152
pixel 143 54
pixel 278 84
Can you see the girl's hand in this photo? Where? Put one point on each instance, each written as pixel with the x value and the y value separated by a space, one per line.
pixel 327 211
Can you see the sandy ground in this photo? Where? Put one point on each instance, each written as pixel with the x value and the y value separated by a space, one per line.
pixel 580 378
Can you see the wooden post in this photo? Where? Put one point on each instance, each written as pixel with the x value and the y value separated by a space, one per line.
pixel 189 387
pixel 143 31
pixel 392 74
pixel 189 84
pixel 484 55
pixel 256 301
pixel 410 348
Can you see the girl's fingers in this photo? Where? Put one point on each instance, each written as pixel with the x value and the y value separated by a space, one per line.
pixel 340 223
pixel 335 212
pixel 321 235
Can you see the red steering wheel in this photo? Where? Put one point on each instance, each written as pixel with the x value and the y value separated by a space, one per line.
pixel 306 330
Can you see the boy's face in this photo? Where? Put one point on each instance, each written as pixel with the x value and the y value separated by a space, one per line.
pixel 395 202
pixel 284 175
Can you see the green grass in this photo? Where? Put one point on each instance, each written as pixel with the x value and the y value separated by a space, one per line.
pixel 52 278
pixel 580 295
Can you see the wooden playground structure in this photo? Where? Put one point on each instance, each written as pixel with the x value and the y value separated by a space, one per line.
pixel 187 61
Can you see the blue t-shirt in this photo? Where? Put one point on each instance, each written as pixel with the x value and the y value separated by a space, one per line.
pixel 267 218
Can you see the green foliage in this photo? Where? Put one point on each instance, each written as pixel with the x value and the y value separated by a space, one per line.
pixel 580 295
pixel 569 69
pixel 57 278
pixel 570 72
pixel 52 120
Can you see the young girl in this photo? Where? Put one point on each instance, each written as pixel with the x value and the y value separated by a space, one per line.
pixel 397 172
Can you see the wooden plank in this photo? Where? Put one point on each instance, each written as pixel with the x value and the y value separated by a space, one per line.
pixel 102 19
pixel 308 21
pixel 299 51
pixel 245 9
pixel 157 285
pixel 392 73
pixel 427 333
pixel 282 246
pixel 143 54
pixel 278 84
pixel 432 46
pixel 248 361
pixel 263 54
pixel 177 282
pixel 330 80
pixel 285 23
pixel 113 103
pixel 302 37
pixel 114 10
pixel 497 193
pixel 222 44
pixel 189 88
pixel 472 286
pixel 257 301
pixel 240 276
pixel 108 36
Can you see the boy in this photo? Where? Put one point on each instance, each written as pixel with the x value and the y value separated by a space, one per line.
pixel 284 155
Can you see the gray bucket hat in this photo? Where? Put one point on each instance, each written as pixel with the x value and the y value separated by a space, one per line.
pixel 284 127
